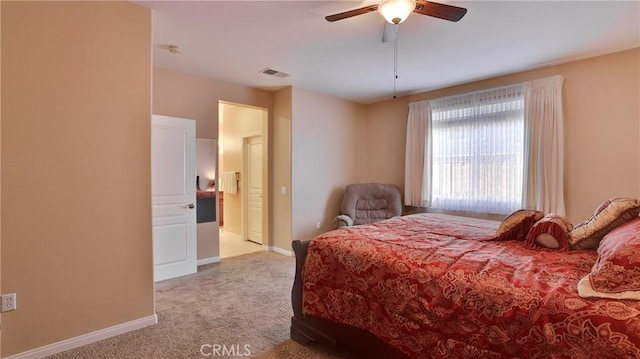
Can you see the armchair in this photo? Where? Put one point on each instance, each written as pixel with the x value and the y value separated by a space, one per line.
pixel 368 202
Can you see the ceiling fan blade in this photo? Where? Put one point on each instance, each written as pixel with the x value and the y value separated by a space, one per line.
pixel 388 32
pixel 350 13
pixel 441 11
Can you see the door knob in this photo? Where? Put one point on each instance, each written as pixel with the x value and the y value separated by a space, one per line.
pixel 190 206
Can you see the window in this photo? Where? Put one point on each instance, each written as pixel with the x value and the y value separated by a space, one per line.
pixel 478 151
pixel 491 151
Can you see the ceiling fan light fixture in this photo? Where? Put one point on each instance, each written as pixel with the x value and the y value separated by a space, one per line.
pixel 396 11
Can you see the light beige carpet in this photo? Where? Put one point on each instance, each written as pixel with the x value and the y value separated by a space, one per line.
pixel 241 305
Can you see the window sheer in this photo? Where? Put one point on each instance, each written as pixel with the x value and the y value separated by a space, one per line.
pixel 478 151
pixel 491 151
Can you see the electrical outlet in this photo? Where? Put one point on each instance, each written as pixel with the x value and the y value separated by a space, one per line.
pixel 9 302
pixel 318 225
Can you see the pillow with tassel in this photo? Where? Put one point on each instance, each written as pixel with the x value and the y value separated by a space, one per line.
pixel 517 224
pixel 551 233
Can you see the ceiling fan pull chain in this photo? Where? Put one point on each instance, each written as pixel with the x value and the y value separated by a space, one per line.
pixel 395 58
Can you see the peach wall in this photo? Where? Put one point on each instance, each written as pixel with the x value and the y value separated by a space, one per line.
pixel 0 177
pixel 385 136
pixel 281 168
pixel 76 214
pixel 187 96
pixel 601 122
pixel 327 151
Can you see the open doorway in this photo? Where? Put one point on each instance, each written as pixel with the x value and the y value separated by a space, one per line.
pixel 243 173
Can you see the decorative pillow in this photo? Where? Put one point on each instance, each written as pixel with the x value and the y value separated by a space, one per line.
pixel 616 273
pixel 549 233
pixel 517 224
pixel 609 215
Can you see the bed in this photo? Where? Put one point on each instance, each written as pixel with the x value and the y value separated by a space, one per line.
pixel 440 286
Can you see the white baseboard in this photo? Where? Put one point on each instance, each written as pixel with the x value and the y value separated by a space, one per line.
pixel 209 260
pixel 85 339
pixel 284 252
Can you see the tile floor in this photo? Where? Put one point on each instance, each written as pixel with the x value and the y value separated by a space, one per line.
pixel 232 245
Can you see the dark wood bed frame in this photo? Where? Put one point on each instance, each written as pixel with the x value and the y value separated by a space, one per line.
pixel 306 329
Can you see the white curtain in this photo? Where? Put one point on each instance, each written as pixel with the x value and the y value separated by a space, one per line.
pixel 490 151
pixel 417 170
pixel 478 151
pixel 543 187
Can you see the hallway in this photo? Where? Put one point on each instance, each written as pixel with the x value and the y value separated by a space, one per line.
pixel 232 245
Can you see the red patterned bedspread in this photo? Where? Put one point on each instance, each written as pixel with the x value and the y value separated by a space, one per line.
pixel 436 286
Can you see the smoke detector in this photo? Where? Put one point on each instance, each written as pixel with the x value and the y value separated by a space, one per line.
pixel 276 73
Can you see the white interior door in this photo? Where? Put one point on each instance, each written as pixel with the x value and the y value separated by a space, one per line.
pixel 173 197
pixel 253 156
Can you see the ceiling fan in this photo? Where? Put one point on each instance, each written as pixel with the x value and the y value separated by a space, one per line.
pixel 397 11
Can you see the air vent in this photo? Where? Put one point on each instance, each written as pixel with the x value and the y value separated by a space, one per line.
pixel 275 73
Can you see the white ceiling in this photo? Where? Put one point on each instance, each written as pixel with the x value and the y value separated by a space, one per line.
pixel 234 40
